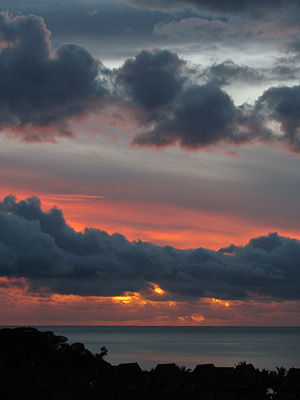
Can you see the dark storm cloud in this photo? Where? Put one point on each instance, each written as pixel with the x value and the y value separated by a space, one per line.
pixel 205 115
pixel 174 110
pixel 38 89
pixel 42 248
pixel 41 92
pixel 282 104
pixel 152 78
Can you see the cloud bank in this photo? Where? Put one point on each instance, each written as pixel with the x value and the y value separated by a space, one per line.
pixel 42 248
pixel 40 89
pixel 43 92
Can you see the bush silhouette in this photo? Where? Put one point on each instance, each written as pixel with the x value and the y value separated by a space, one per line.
pixel 41 365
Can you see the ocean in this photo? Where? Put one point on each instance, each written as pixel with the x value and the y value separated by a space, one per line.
pixel 264 347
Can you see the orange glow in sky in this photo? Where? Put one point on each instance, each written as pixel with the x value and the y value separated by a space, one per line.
pixel 218 301
pixel 21 306
pixel 154 223
pixel 157 289
pixel 191 147
pixel 129 298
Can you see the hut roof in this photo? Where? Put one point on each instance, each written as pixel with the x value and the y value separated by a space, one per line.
pixel 168 370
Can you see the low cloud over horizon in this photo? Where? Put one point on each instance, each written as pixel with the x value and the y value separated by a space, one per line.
pixel 42 248
pixel 45 92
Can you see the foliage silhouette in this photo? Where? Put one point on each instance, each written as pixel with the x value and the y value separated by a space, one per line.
pixel 41 365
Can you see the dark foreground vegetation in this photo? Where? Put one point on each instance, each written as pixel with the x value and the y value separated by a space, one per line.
pixel 38 365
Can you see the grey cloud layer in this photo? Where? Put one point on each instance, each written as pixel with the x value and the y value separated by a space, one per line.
pixel 39 89
pixel 227 71
pixel 254 8
pixel 46 251
pixel 153 79
pixel 174 109
pixel 205 116
pixel 282 104
pixel 36 88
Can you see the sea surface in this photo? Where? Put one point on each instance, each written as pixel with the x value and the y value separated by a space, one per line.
pixel 264 347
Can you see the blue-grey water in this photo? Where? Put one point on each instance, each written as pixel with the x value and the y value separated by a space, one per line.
pixel 264 347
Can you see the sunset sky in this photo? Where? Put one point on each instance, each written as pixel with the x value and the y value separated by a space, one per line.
pixel 150 158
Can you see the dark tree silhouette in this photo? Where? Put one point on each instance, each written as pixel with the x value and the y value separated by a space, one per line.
pixel 276 379
pixel 41 365
pixel 104 352
pixel 32 360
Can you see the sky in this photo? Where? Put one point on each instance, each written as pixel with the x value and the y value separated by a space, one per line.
pixel 149 155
